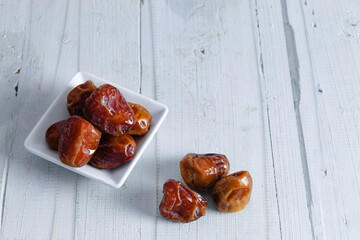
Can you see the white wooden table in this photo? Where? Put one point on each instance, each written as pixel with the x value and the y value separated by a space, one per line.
pixel 273 84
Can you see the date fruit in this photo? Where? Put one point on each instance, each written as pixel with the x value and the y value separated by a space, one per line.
pixel 78 141
pixel 180 203
pixel 76 98
pixel 202 171
pixel 142 120
pixel 232 193
pixel 52 134
pixel 113 151
pixel 108 110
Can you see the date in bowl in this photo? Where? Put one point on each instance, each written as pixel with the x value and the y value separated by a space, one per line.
pixel 36 144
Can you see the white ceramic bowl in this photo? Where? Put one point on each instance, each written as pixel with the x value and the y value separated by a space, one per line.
pixel 36 144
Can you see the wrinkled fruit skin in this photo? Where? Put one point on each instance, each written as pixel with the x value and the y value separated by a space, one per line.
pixel 142 120
pixel 202 171
pixel 76 98
pixel 113 151
pixel 232 193
pixel 78 141
pixel 180 203
pixel 108 110
pixel 52 134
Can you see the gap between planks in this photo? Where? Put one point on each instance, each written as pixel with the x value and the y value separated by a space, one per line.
pixel 293 61
pixel 148 6
pixel 3 188
pixel 293 65
pixel 141 3
pixel 266 114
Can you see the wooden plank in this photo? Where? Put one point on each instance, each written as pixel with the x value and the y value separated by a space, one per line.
pixel 147 204
pixel 285 142
pixel 34 187
pixel 109 41
pixel 327 37
pixel 109 47
pixel 206 71
pixel 11 50
pixel 65 199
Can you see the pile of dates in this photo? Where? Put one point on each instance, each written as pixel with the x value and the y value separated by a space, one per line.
pixel 100 127
pixel 204 172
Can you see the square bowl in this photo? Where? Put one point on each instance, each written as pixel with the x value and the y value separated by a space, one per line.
pixel 36 144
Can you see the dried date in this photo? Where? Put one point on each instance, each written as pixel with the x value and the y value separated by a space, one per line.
pixel 52 135
pixel 202 171
pixel 76 98
pixel 113 151
pixel 232 193
pixel 180 203
pixel 108 110
pixel 142 120
pixel 78 141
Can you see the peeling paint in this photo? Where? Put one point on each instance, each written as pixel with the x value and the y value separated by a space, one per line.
pixel 319 89
pixel 16 88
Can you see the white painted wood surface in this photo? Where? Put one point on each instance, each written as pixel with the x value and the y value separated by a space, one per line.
pixel 272 84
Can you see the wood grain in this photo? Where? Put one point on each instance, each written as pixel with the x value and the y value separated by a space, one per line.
pixel 206 71
pixel 280 112
pixel 11 52
pixel 109 48
pixel 271 84
pixel 327 38
pixel 32 183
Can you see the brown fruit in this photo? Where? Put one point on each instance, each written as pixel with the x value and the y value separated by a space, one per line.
pixel 52 134
pixel 142 120
pixel 76 98
pixel 108 110
pixel 180 203
pixel 78 141
pixel 202 171
pixel 232 193
pixel 113 151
